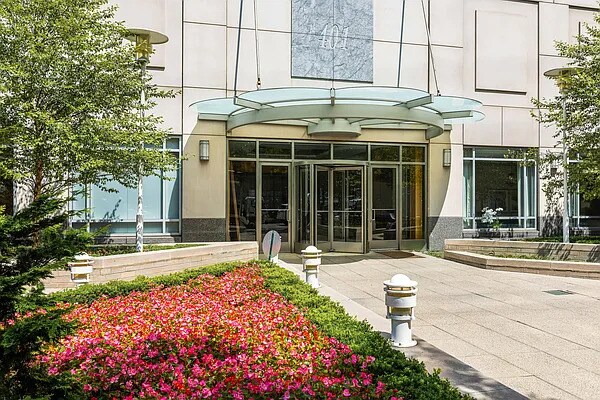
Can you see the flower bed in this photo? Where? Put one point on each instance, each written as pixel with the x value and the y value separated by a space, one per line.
pixel 212 337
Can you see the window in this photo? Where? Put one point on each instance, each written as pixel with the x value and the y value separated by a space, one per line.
pixel 115 210
pixel 494 178
pixel 584 213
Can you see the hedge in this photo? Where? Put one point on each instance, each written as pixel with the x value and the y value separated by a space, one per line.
pixel 392 367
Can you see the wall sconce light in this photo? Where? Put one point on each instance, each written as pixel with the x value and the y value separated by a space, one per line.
pixel 204 150
pixel 447 158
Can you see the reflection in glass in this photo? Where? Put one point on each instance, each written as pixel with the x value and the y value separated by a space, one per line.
pixel 312 151
pixel 498 182
pixel 242 149
pixel 585 213
pixel 275 150
pixel 496 186
pixel 385 153
pixel 303 208
pixel 322 199
pixel 413 154
pixel 274 212
pixel 347 205
pixel 413 201
pixel 357 152
pixel 384 203
pixel 242 200
pixel 468 194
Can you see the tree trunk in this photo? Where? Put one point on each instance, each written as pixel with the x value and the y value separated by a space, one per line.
pixel 39 177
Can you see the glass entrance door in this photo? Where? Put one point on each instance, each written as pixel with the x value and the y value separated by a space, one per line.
pixel 346 212
pixel 384 208
pixel 330 208
pixel 274 210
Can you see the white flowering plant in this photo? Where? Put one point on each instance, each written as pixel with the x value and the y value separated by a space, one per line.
pixel 490 216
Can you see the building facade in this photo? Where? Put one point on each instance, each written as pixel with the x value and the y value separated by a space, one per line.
pixel 387 186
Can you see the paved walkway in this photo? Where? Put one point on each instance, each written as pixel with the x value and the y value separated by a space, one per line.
pixel 502 324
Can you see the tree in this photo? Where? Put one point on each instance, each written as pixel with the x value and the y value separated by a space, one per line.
pixel 33 243
pixel 581 94
pixel 70 99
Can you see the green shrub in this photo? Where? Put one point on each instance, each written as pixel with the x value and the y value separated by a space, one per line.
pixel 111 250
pixel 572 239
pixel 86 294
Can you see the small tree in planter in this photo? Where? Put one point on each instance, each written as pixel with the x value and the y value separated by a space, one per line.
pixel 490 217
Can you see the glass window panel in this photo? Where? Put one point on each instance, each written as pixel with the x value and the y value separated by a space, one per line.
pixel 531 191
pixel 242 200
pixel 153 227
pixel 172 227
pixel 120 204
pixel 312 151
pixel 385 153
pixel 350 152
pixel 303 198
pixel 384 203
pixel 413 201
pixel 173 143
pixel 492 152
pixel 468 193
pixel 496 186
pixel 275 150
pixel 116 227
pixel 78 204
pixel 242 149
pixel 589 208
pixel 172 194
pixel 152 202
pixel 467 152
pixel 275 202
pixel 413 154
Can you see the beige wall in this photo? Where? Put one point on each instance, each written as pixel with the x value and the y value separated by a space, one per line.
pixel 204 182
pixel 494 51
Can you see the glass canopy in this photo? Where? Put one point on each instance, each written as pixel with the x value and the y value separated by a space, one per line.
pixel 343 110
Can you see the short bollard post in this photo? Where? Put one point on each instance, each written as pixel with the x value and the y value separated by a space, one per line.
pixel 81 268
pixel 311 260
pixel 401 300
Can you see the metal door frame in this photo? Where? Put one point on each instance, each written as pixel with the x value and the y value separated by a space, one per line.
pixel 285 246
pixel 384 244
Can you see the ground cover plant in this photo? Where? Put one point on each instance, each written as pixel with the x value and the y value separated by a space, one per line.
pixel 408 376
pixel 209 338
pixel 111 250
pixel 572 239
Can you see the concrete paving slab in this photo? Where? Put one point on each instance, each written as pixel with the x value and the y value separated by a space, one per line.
pixel 537 389
pixel 555 339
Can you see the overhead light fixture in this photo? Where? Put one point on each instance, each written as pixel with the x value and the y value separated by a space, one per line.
pixel 446 158
pixel 204 150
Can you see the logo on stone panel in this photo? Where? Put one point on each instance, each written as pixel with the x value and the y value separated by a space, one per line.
pixel 332 39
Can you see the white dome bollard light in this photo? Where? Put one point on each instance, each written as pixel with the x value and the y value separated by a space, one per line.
pixel 81 268
pixel 311 260
pixel 401 300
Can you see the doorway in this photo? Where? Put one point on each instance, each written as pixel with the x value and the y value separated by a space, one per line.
pixel 330 207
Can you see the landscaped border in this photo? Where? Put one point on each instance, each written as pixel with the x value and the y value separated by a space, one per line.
pixel 409 376
pixel 159 262
pixel 481 253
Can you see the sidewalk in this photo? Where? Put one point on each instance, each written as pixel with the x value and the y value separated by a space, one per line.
pixel 502 324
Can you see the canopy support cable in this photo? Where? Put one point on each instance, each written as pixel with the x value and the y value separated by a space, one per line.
pixel 401 41
pixel 257 49
pixel 237 53
pixel 437 88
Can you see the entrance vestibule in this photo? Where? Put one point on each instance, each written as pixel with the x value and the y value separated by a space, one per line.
pixel 337 205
